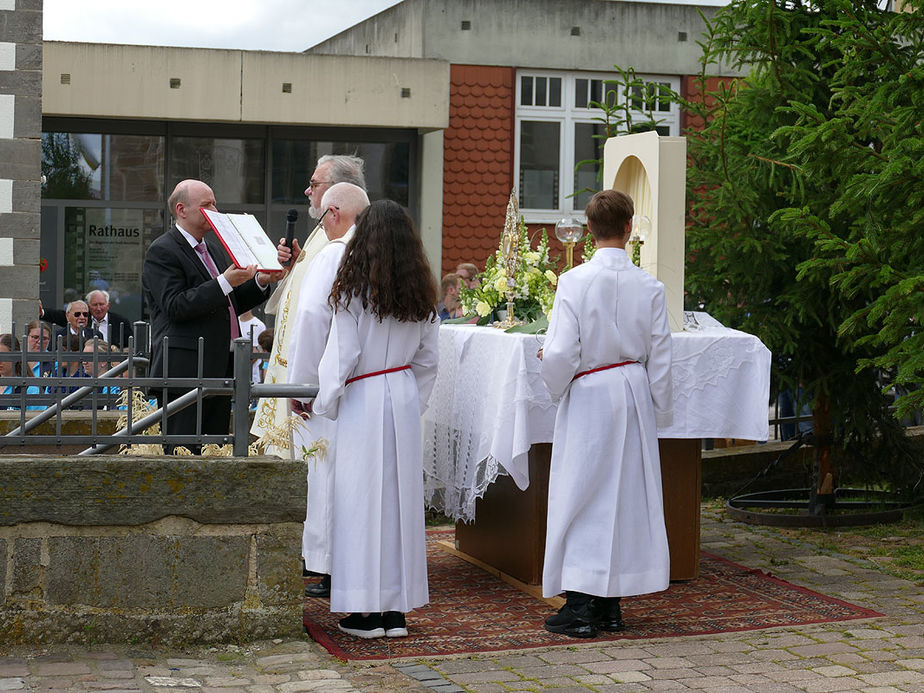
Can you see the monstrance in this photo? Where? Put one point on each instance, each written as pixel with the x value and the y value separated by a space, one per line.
pixel 510 252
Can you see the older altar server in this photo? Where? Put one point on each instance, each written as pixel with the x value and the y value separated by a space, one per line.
pixel 607 355
pixel 342 203
pixel 376 376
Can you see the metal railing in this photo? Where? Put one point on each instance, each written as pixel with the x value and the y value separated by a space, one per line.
pixel 60 390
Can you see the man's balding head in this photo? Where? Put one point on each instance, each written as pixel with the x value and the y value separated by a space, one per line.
pixel 343 202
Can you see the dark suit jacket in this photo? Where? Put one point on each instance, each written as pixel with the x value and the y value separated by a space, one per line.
pixel 120 329
pixel 88 333
pixel 185 303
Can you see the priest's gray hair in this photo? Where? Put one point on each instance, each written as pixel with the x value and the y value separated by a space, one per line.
pixel 345 169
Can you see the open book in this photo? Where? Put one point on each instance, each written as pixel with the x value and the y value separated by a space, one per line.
pixel 244 239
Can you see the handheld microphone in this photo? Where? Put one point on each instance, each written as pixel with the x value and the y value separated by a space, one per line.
pixel 291 218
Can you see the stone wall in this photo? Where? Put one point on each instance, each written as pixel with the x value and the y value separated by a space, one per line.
pixel 160 550
pixel 20 159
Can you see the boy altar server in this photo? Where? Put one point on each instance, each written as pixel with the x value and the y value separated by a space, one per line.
pixel 607 355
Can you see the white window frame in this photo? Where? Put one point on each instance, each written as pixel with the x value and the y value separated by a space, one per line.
pixel 568 116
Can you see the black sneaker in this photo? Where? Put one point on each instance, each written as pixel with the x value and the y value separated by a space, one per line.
pixel 362 626
pixel 568 622
pixel 608 614
pixel 395 625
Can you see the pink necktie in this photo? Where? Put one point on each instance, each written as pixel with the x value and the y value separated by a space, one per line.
pixel 203 251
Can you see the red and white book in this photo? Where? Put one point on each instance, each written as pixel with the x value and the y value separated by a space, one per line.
pixel 244 239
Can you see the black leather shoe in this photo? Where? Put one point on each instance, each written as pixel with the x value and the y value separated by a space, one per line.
pixel 569 622
pixel 318 590
pixel 608 614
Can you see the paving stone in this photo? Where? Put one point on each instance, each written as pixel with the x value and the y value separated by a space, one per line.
pixel 550 671
pixel 821 649
pixel 671 662
pixel 616 665
pixel 835 670
pixel 14 683
pixel 574 657
pixel 62 669
pixel 629 677
pixel 894 678
pixel 484 677
pixel 832 685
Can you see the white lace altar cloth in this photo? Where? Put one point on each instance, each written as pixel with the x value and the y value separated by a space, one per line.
pixel 490 404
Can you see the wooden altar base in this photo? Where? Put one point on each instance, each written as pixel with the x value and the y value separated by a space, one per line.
pixel 508 535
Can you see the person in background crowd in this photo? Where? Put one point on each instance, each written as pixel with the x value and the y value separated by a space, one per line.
pixel 468 274
pixel 265 343
pixel 449 306
pixel 375 378
pixel 39 338
pixel 251 327
pixel 77 331
pixel 8 369
pixel 111 326
pixel 607 357
pixel 99 357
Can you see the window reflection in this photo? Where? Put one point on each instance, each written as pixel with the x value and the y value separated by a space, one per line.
pixel 92 166
pixel 233 167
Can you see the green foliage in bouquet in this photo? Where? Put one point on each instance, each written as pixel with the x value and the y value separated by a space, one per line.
pixel 535 283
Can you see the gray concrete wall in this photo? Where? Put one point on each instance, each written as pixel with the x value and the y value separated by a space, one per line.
pixel 162 550
pixel 535 34
pixel 20 158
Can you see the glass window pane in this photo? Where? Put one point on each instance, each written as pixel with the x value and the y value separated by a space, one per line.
pixel 89 166
pixel 539 161
pixel 588 145
pixel 555 92
pixel 664 103
pixel 580 93
pixel 234 168
pixel 105 249
pixel 636 99
pixel 526 91
pixel 387 168
pixel 596 90
pixel 541 90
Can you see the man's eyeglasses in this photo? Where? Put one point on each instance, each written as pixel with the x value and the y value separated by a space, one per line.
pixel 315 183
pixel 78 313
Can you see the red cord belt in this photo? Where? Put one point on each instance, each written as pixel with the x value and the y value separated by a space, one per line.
pixel 600 368
pixel 375 373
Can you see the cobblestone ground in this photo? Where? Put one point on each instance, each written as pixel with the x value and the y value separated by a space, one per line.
pixel 880 655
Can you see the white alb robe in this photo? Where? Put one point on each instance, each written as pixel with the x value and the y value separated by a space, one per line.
pixel 606 534
pixel 308 338
pixel 379 544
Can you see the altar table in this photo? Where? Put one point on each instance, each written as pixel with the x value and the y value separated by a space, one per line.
pixel 489 425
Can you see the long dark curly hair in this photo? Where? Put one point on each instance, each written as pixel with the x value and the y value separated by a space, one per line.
pixel 385 266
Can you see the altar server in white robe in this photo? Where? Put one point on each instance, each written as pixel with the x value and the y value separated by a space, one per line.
pixel 607 355
pixel 342 203
pixel 376 376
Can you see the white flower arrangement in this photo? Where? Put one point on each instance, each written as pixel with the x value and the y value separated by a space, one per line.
pixel 535 281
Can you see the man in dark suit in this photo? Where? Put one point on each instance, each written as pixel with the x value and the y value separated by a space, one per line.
pixel 192 290
pixel 75 331
pixel 114 328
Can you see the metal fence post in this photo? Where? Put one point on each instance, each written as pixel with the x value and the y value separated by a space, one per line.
pixel 242 372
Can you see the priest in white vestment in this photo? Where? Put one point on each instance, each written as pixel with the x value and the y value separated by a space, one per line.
pixel 311 322
pixel 376 376
pixel 607 355
pixel 272 412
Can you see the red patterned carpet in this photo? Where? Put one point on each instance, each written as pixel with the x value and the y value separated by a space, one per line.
pixel 472 611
